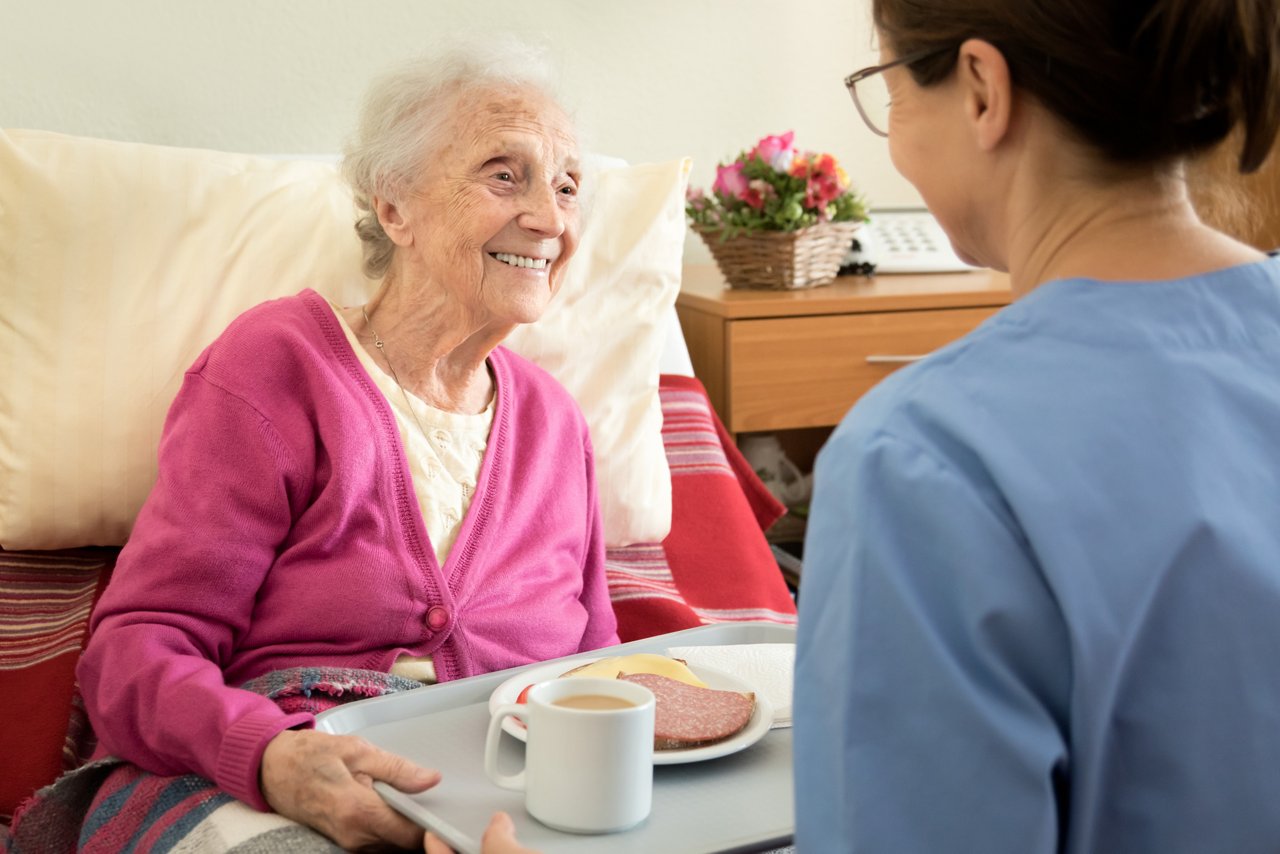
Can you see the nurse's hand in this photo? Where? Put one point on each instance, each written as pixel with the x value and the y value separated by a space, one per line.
pixel 499 838
pixel 325 781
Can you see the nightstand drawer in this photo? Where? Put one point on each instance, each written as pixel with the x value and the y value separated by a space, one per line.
pixel 807 371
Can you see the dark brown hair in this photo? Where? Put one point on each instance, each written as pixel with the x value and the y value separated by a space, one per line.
pixel 1141 80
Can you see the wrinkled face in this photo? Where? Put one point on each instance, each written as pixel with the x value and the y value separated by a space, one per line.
pixel 495 217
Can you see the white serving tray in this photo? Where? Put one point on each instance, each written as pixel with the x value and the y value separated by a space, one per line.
pixel 736 803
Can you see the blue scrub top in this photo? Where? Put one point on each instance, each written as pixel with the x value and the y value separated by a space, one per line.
pixel 1040 602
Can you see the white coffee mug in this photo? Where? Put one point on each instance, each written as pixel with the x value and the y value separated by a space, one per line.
pixel 587 770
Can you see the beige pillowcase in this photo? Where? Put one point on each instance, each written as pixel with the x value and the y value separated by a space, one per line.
pixel 120 262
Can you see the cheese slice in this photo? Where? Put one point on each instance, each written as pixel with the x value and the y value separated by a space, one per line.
pixel 641 662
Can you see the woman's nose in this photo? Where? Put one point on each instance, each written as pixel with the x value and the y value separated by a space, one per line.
pixel 542 212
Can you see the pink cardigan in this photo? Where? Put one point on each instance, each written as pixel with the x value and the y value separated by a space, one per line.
pixel 283 531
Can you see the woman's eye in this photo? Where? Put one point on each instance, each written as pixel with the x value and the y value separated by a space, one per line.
pixel 569 190
pixel 505 176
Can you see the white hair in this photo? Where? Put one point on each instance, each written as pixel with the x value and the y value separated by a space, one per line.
pixel 407 113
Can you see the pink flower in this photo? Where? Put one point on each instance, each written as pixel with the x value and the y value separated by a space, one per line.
pixel 730 181
pixel 696 199
pixel 776 150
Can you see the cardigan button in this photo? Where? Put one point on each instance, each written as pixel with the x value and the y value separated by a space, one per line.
pixel 437 618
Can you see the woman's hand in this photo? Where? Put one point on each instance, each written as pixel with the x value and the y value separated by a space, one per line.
pixel 326 782
pixel 499 838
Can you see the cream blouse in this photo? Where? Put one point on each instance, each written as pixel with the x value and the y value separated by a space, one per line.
pixel 443 465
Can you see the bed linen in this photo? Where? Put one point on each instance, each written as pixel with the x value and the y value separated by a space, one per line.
pixel 714 566
pixel 45 602
pixel 110 806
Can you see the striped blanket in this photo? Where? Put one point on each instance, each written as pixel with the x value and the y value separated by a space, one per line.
pixel 45 601
pixel 715 566
pixel 111 806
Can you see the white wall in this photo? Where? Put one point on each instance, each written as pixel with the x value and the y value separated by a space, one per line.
pixel 652 79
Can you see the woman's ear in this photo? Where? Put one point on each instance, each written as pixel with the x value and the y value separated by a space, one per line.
pixel 983 75
pixel 393 221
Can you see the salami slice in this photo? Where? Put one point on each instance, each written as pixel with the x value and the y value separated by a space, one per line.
pixel 688 716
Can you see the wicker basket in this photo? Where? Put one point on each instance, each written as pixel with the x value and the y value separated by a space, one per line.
pixel 781 260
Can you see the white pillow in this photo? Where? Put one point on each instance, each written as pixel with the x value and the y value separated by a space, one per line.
pixel 120 262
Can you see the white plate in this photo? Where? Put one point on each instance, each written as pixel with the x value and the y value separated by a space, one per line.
pixel 761 717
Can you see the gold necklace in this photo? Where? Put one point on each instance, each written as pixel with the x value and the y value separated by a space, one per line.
pixel 378 342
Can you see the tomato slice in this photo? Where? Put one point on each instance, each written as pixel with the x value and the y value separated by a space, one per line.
pixel 524 695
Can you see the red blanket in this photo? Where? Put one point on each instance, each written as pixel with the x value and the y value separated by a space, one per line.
pixel 715 565
pixel 45 600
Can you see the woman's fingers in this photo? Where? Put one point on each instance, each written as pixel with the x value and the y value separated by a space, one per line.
pixel 376 821
pixel 323 781
pixel 394 770
pixel 373 815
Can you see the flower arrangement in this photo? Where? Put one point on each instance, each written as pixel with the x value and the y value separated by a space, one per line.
pixel 775 187
pixel 777 217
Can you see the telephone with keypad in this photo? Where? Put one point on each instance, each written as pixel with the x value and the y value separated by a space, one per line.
pixel 902 240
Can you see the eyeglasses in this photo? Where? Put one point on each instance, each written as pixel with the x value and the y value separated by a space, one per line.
pixel 870 92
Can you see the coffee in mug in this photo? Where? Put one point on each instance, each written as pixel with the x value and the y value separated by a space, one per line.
pixel 597 702
pixel 588 754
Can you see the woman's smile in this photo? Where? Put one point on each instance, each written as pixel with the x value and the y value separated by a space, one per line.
pixel 527 262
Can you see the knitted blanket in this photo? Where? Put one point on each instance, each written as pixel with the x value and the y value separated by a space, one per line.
pixel 110 805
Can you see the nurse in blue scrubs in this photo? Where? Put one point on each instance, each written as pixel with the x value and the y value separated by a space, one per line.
pixel 1040 608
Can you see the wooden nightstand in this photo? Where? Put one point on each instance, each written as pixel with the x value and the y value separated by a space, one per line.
pixel 783 360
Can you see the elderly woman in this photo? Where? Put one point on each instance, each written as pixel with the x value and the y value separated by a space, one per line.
pixel 1042 573
pixel 379 487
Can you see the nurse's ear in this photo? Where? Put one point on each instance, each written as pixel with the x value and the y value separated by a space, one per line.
pixel 983 76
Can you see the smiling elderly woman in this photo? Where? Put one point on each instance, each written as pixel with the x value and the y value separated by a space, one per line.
pixel 381 487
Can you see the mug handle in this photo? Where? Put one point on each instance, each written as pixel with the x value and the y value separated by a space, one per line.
pixel 506 781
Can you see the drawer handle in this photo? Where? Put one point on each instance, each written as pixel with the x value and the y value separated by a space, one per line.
pixel 894 360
